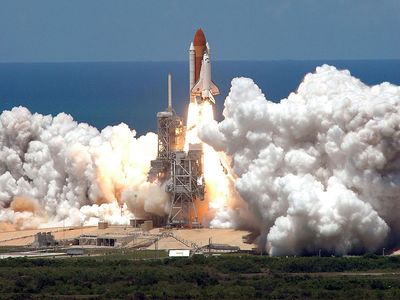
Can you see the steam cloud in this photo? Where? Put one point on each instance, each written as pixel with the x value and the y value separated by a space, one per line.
pixel 54 171
pixel 320 169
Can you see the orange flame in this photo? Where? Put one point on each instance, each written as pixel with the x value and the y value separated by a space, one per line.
pixel 217 182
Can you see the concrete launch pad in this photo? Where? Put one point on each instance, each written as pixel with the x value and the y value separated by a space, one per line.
pixel 157 238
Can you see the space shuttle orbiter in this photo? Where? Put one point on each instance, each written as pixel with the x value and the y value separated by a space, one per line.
pixel 202 88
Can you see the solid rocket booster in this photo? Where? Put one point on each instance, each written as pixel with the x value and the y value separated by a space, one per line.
pixel 201 86
pixel 191 68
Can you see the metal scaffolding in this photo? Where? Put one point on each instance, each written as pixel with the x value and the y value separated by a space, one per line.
pixel 186 185
pixel 181 171
pixel 170 138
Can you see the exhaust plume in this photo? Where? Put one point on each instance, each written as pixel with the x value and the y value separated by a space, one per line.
pixel 54 171
pixel 320 169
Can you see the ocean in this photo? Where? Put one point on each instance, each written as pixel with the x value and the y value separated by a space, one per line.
pixel 108 93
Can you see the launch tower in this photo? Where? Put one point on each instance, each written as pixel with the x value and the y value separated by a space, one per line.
pixel 181 172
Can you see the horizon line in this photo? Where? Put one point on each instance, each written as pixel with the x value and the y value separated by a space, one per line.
pixel 179 61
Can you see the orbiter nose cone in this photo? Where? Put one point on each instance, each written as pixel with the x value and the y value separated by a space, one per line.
pixel 199 38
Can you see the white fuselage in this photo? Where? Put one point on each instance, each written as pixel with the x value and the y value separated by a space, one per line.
pixel 204 88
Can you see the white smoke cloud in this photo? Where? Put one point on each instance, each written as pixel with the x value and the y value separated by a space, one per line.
pixel 54 171
pixel 320 169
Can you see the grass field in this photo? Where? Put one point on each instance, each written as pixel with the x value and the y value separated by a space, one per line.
pixel 122 275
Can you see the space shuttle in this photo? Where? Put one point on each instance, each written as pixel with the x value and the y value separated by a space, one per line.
pixel 201 87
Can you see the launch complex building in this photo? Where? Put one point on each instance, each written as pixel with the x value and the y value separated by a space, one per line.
pixel 179 166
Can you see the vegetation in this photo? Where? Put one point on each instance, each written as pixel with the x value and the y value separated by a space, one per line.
pixel 8 249
pixel 118 275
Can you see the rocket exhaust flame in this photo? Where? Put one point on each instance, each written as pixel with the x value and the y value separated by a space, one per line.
pixel 217 185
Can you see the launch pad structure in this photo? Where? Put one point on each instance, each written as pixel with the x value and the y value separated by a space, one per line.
pixel 180 171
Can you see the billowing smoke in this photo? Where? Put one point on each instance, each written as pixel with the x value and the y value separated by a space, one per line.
pixel 320 169
pixel 54 171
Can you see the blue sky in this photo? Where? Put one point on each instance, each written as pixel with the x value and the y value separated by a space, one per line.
pixel 149 30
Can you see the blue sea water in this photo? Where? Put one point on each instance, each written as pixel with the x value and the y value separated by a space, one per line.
pixel 109 93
